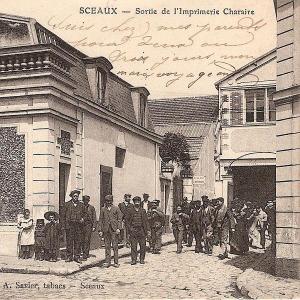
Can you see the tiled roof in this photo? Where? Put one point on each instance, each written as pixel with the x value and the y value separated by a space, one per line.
pixel 183 110
pixel 193 132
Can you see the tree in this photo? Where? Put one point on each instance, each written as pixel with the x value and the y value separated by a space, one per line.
pixel 175 148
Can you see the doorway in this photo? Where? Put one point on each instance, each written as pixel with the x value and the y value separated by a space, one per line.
pixel 64 173
pixel 106 174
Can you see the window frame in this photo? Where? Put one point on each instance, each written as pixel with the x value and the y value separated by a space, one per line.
pixel 255 111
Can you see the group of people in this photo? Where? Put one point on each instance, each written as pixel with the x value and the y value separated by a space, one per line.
pixel 206 221
pixel 78 221
pixel 210 222
pixel 139 220
pixel 252 223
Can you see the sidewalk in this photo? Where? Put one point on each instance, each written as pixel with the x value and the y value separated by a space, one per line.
pixel 258 283
pixel 61 268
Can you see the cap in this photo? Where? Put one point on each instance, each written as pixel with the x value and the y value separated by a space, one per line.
pixel 127 195
pixel 109 198
pixel 86 197
pixel 137 199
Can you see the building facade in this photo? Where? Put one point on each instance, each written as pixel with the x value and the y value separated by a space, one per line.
pixel 246 134
pixel 287 100
pixel 66 121
pixel 194 118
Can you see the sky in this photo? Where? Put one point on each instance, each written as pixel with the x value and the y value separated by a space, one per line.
pixel 173 48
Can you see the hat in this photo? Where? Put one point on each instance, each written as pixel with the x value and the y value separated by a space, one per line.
pixel 204 198
pixel 74 192
pixel 109 198
pixel 154 202
pixel 86 197
pixel 145 195
pixel 127 195
pixel 51 213
pixel 137 199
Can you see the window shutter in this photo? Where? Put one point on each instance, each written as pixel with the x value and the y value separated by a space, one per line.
pixel 236 108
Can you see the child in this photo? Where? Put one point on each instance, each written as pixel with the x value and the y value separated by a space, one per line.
pixel 52 233
pixel 26 235
pixel 178 220
pixel 39 239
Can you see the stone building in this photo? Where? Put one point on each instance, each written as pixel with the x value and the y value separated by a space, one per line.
pixel 194 118
pixel 246 148
pixel 288 138
pixel 66 121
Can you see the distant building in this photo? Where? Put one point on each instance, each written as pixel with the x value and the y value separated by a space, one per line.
pixel 195 118
pixel 246 148
pixel 66 121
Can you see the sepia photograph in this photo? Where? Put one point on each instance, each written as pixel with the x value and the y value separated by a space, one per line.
pixel 149 149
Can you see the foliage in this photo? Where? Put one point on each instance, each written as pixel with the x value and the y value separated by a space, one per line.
pixel 175 148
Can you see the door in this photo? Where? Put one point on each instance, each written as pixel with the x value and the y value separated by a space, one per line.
pixel 105 183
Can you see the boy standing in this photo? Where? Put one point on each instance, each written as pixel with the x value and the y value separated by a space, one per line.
pixel 52 233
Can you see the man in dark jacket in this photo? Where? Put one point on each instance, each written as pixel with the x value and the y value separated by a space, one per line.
pixel 207 224
pixel 196 225
pixel 125 207
pixel 139 230
pixel 88 227
pixel 156 221
pixel 110 224
pixel 73 218
pixel 224 222
pixel 178 220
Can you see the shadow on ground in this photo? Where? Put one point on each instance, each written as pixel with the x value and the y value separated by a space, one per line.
pixel 258 261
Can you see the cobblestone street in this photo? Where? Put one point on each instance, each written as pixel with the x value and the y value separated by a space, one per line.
pixel 167 275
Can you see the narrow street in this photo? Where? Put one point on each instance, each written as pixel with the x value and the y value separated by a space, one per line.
pixel 167 275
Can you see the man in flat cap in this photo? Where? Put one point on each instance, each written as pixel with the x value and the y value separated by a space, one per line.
pixel 125 206
pixel 139 230
pixel 110 224
pixel 73 219
pixel 88 227
pixel 207 224
pixel 196 225
pixel 156 220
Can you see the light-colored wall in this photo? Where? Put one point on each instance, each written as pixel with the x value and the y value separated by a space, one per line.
pixel 287 101
pixel 138 175
pixel 238 141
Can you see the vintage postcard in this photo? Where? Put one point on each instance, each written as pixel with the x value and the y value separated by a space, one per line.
pixel 149 149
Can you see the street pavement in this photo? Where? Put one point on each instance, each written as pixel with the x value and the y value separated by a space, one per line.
pixel 168 275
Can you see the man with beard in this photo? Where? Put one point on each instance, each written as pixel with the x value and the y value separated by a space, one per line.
pixel 110 224
pixel 73 218
pixel 125 207
pixel 224 222
pixel 139 229
pixel 196 225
